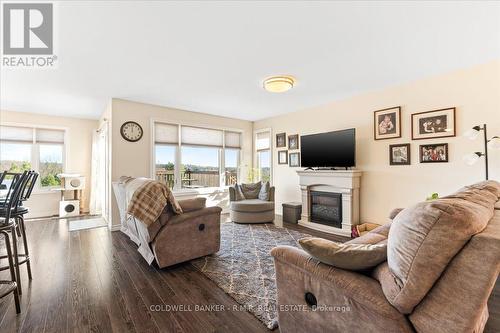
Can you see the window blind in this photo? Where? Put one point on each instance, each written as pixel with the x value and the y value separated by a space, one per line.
pixel 49 135
pixel 166 133
pixel 263 141
pixel 16 134
pixel 232 139
pixel 197 136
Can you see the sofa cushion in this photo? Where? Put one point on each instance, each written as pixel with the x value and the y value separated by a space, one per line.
pixel 252 205
pixel 424 238
pixel 251 191
pixel 264 191
pixel 346 256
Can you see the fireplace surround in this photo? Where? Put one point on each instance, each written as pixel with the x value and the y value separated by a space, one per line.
pixel 345 184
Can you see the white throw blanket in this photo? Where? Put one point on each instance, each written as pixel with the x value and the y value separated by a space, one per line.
pixel 133 228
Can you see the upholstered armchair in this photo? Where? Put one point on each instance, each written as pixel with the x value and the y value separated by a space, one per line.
pixel 249 208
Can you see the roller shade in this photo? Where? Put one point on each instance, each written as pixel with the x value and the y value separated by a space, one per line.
pixel 166 133
pixel 49 135
pixel 232 139
pixel 16 134
pixel 201 136
pixel 263 141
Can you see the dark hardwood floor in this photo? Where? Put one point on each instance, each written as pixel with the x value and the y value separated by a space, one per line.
pixel 95 281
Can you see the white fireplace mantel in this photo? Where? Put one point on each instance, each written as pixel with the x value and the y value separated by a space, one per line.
pixel 346 182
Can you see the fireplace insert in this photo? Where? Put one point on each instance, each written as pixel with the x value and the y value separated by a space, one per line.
pixel 326 208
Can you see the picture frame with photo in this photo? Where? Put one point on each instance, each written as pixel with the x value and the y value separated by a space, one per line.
pixel 387 123
pixel 294 160
pixel 400 154
pixel 433 124
pixel 281 140
pixel 434 153
pixel 283 157
pixel 293 142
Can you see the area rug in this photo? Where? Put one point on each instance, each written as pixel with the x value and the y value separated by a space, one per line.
pixel 86 224
pixel 244 267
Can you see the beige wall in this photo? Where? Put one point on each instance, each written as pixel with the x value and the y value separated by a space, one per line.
pixel 134 158
pixel 475 92
pixel 78 153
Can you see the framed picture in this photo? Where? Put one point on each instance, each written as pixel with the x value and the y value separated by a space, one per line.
pixel 293 141
pixel 433 124
pixel 294 160
pixel 283 157
pixel 399 154
pixel 433 153
pixel 281 140
pixel 387 123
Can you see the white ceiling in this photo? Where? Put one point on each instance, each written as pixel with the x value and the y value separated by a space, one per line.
pixel 212 56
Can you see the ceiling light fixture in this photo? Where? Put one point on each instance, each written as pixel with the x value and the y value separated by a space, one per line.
pixel 278 84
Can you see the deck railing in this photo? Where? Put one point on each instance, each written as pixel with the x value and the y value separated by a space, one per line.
pixel 195 179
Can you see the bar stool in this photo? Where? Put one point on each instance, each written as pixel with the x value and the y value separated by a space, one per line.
pixel 18 214
pixel 10 213
pixel 8 225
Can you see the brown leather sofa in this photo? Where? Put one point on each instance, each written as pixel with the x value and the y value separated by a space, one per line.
pixel 443 261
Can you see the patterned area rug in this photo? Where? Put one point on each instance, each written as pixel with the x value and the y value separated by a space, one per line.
pixel 244 267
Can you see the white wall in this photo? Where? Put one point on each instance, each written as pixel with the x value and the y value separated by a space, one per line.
pixel 475 92
pixel 78 153
pixel 134 158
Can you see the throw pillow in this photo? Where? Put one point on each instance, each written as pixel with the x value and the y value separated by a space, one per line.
pixel 251 191
pixel 346 256
pixel 264 191
pixel 238 192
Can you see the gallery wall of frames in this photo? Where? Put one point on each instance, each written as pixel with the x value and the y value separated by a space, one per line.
pixel 433 124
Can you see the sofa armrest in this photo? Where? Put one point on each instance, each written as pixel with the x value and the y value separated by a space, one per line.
pixel 351 301
pixel 189 205
pixel 271 193
pixel 232 194
pixel 191 215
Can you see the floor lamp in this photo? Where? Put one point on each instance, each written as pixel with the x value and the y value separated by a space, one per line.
pixel 493 143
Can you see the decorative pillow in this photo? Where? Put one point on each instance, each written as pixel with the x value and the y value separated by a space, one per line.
pixel 346 256
pixel 264 191
pixel 424 238
pixel 251 191
pixel 238 192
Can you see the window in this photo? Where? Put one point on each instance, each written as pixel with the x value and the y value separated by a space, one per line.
pixel 51 164
pixel 195 157
pixel 231 159
pixel 40 149
pixel 200 167
pixel 263 153
pixel 165 164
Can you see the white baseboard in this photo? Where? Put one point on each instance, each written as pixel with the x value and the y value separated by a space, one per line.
pixel 115 227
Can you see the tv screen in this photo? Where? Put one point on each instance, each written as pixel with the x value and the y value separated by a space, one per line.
pixel 332 149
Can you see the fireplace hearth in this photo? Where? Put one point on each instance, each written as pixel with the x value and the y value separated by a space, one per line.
pixel 326 208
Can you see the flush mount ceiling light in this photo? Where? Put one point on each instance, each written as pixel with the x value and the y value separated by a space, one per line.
pixel 278 84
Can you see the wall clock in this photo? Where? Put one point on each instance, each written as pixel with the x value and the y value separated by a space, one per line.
pixel 131 131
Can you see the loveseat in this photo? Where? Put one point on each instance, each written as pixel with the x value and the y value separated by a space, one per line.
pixel 443 261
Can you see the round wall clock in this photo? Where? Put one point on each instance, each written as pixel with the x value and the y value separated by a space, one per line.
pixel 131 131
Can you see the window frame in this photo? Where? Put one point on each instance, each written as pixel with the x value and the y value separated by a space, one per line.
pixel 256 161
pixel 35 150
pixel 178 155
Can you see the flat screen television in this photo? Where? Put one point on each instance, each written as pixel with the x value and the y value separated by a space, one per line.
pixel 329 150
